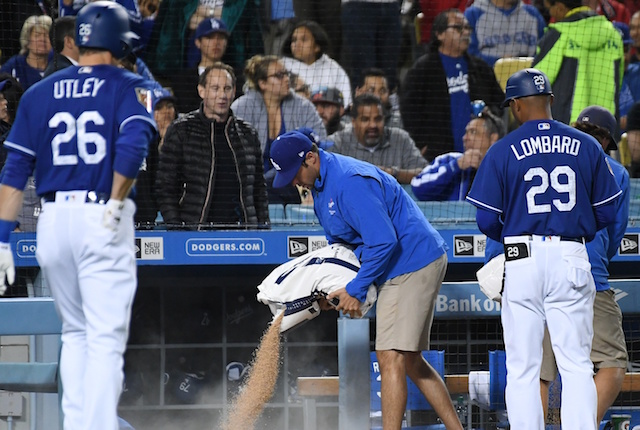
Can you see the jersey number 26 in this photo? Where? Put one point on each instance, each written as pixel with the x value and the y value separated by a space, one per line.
pixel 78 128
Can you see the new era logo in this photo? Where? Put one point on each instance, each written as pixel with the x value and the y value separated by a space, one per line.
pixel 629 244
pixel 463 245
pixel 298 246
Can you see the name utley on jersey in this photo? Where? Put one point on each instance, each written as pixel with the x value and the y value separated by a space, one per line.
pixel 545 178
pixel 79 125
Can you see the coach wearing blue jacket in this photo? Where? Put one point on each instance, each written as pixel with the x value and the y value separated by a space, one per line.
pixel 361 206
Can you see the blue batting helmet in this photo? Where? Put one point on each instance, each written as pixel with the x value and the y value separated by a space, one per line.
pixel 524 83
pixel 105 25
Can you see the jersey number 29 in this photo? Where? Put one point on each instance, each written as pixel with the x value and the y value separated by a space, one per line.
pixel 78 128
pixel 567 186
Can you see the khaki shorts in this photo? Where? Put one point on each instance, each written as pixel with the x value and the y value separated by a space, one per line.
pixel 405 308
pixel 608 349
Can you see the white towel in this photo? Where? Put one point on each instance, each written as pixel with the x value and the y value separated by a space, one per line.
pixel 295 285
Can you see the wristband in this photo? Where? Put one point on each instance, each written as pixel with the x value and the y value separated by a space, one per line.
pixel 6 227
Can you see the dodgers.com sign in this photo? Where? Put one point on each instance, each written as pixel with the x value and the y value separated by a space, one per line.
pixel 26 248
pixel 216 247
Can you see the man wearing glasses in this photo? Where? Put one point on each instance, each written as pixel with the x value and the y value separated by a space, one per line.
pixel 437 92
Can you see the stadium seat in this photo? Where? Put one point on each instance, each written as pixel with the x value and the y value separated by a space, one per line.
pixel 301 214
pixel 277 214
pixel 30 316
pixel 507 66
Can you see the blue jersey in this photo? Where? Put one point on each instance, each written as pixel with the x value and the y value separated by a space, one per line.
pixel 77 127
pixel 605 244
pixel 545 178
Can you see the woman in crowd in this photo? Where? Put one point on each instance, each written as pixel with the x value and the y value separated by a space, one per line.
pixel 271 106
pixel 304 55
pixel 35 48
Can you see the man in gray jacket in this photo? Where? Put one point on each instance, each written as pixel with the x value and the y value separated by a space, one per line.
pixel 367 139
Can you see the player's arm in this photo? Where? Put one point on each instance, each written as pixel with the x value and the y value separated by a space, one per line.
pixel 605 214
pixel 10 204
pixel 131 148
pixel 489 223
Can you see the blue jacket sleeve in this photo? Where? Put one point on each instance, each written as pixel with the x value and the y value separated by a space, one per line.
pixel 437 179
pixel 617 229
pixel 365 210
pixel 489 223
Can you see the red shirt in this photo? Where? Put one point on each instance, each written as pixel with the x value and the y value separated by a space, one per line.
pixel 431 9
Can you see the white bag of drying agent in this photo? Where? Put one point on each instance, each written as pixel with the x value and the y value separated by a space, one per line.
pixel 295 286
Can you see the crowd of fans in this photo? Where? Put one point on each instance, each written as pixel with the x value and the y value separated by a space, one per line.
pixel 406 85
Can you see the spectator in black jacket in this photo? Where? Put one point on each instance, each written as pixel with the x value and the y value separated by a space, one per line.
pixel 62 35
pixel 435 101
pixel 210 173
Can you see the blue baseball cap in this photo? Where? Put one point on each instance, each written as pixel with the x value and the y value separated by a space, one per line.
pixel 5 85
pixel 211 25
pixel 601 117
pixel 624 31
pixel 287 154
pixel 161 94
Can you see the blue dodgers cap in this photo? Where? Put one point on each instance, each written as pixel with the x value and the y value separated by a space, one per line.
pixel 5 85
pixel 287 154
pixel 162 94
pixel 624 31
pixel 601 117
pixel 211 25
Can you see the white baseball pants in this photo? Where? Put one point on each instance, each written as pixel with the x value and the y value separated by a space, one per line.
pixel 553 283
pixel 92 275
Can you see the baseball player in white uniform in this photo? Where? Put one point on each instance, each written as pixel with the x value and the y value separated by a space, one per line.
pixel 84 132
pixel 543 191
